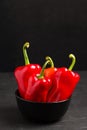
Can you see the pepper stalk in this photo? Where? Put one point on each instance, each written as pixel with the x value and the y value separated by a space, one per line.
pixel 26 59
pixel 51 61
pixel 48 61
pixel 72 56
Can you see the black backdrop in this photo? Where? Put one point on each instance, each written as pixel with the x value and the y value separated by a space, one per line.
pixel 54 28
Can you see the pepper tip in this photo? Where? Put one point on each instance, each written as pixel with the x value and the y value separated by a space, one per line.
pixel 27 44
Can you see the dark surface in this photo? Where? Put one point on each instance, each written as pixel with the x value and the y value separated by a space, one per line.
pixel 11 119
pixel 54 28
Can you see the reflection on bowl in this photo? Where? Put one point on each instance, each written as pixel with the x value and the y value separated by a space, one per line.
pixel 44 112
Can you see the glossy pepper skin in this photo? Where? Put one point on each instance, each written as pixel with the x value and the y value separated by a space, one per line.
pixel 64 82
pixel 22 73
pixel 38 86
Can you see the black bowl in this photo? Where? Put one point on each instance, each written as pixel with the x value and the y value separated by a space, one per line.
pixel 44 112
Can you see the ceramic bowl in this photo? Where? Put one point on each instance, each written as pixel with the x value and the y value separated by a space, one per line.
pixel 44 112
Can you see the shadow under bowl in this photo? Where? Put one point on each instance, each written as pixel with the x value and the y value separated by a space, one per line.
pixel 43 112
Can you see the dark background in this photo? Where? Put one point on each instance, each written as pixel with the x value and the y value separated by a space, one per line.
pixel 54 28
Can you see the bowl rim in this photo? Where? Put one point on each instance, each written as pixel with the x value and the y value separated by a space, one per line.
pixel 19 97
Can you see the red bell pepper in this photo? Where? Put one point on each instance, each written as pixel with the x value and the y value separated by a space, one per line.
pixel 22 73
pixel 64 83
pixel 38 86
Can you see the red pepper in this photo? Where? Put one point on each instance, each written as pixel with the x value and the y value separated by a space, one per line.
pixel 38 86
pixel 22 73
pixel 64 83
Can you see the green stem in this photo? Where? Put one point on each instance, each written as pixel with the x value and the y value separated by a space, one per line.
pixel 72 56
pixel 41 75
pixel 51 61
pixel 26 45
